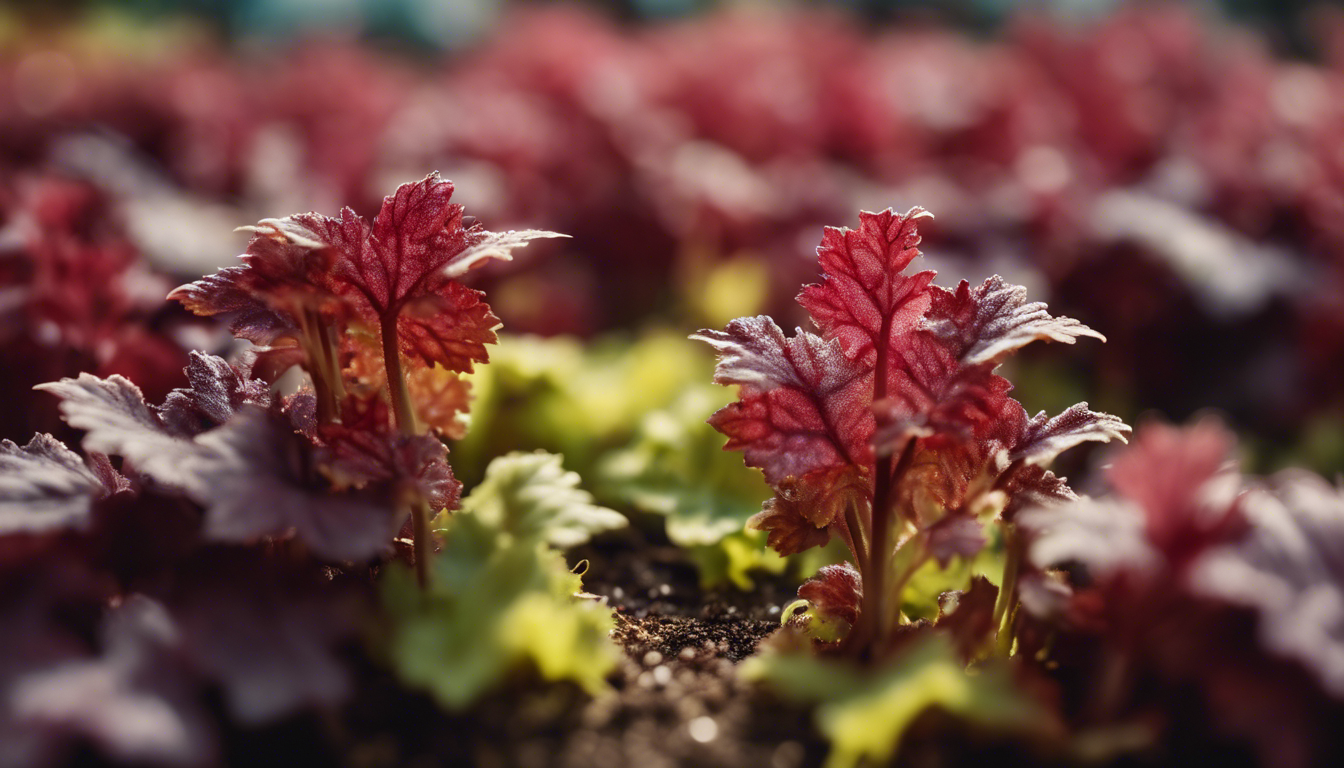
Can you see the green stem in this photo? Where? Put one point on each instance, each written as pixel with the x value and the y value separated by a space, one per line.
pixel 1005 607
pixel 404 414
pixel 858 536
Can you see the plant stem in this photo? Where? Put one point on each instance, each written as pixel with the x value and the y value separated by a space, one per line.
pixel 1005 607
pixel 872 618
pixel 406 424
pixel 325 377
pixel 858 537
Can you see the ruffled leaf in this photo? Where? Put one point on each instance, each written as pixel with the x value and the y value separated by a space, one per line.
pixel 804 406
pixel 117 421
pixel 1045 438
pixel 983 324
pixel 46 486
pixel 862 292
pixel 531 497
pixel 836 591
pixel 218 389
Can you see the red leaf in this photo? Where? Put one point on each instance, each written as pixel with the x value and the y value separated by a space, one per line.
pixel 984 324
pixel 863 291
pixel 836 590
pixel 804 406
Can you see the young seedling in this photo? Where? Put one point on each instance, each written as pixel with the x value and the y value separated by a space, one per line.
pixel 374 313
pixel 891 429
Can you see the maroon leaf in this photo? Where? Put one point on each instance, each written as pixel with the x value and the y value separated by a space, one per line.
pixel 227 296
pixel 863 293
pixel 256 478
pixel 804 406
pixel 1290 569
pixel 217 391
pixel 410 467
pixel 1045 438
pixel 788 531
pixel 46 486
pixel 969 616
pixel 984 324
pixel 836 590
pixel 399 272
pixel 1185 483
pixel 134 701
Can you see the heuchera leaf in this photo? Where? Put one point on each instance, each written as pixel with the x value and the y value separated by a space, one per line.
pixel 1290 569
pixel 134 701
pixel 836 591
pixel 399 272
pixel 985 323
pixel 809 405
pixel 217 390
pixel 255 478
pixel 46 486
pixel 117 421
pixel 1177 496
pixel 803 405
pixel 531 497
pixel 863 293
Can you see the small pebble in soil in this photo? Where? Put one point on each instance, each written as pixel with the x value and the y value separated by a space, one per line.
pixel 653 659
pixel 703 729
pixel 662 675
pixel 789 754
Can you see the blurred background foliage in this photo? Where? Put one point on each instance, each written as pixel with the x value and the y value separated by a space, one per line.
pixel 1169 173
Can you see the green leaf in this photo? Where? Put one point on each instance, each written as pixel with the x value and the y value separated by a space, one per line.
pixel 676 466
pixel 496 607
pixel 530 496
pixel 864 712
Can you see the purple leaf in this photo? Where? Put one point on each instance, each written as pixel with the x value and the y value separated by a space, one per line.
pixel 46 486
pixel 1045 438
pixel 255 478
pixel 803 405
pixel 988 322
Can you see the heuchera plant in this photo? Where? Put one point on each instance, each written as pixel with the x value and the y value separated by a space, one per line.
pixel 375 315
pixel 891 429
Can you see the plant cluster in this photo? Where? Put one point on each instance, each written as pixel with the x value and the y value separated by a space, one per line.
pixel 225 539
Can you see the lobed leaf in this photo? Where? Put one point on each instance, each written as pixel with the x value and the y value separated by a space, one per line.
pixel 1045 438
pixel 863 293
pixel 46 486
pixel 985 323
pixel 531 497
pixel 804 405
pixel 253 482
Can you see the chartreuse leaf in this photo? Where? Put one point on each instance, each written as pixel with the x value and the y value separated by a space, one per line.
pixel 864 712
pixel 531 497
pixel 676 467
pixel 502 600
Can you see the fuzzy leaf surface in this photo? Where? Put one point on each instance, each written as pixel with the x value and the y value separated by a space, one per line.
pixel 803 404
pixel 45 486
pixel 993 319
pixel 863 291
